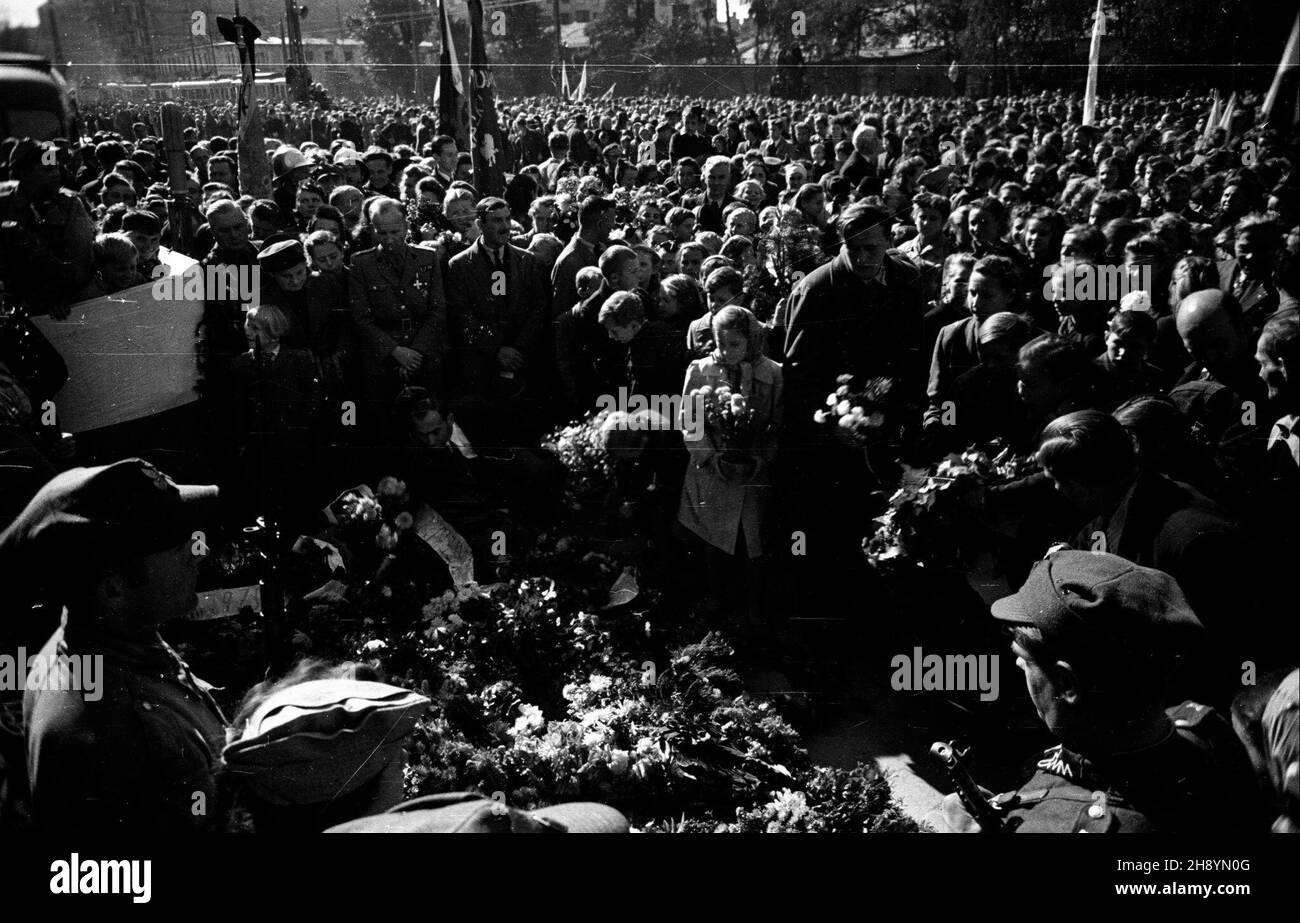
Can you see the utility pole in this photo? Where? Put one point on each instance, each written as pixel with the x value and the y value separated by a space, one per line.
pixel 293 14
pixel 559 44
pixel 417 82
pixel 55 40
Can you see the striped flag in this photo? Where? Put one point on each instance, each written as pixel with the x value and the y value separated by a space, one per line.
pixel 1212 120
pixel 1094 60
pixel 1289 60
pixel 564 81
pixel 581 93
pixel 1228 112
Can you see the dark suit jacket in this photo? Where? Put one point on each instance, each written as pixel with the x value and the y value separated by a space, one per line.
pixel 1174 528
pixel 483 321
pixel 576 254
pixel 1258 301
pixel 956 351
pixel 836 324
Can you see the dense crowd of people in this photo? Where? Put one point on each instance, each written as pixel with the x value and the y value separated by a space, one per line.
pixel 1118 301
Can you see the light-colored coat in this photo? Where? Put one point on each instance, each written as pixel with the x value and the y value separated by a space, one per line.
pixel 716 509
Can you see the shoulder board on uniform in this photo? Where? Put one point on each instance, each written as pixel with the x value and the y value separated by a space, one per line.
pixel 368 252
pixel 8 188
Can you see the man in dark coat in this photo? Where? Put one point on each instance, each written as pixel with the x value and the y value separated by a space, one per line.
pixel 860 314
pixel 498 309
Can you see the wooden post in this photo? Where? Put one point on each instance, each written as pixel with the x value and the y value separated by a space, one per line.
pixel 178 209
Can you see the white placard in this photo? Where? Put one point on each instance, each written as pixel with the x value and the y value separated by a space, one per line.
pixel 130 355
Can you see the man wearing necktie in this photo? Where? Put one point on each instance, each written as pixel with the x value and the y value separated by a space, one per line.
pixel 497 304
pixel 717 179
pixel 400 314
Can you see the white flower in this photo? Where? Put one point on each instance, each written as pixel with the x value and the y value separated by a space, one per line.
pixel 530 719
pixel 377 644
pixel 599 683
pixel 619 762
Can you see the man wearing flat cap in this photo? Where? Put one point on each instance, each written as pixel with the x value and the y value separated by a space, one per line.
pixel 1098 639
pixel 121 736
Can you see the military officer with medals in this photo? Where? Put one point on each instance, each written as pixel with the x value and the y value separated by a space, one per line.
pixel 399 312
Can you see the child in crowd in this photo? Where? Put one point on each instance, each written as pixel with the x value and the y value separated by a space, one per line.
pixel 116 266
pixel 727 500
pixel 1129 337
pixel 723 287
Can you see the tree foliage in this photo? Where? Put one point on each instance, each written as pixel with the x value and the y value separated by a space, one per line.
pixel 390 30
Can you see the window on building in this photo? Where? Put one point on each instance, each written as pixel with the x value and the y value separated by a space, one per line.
pixel 566 19
pixel 583 15
pixel 349 55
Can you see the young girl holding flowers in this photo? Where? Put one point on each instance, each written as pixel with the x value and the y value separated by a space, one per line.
pixel 730 416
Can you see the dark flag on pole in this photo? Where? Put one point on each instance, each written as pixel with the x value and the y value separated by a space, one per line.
pixel 483 112
pixel 450 90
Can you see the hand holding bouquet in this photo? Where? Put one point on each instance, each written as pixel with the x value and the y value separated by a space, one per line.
pixel 858 413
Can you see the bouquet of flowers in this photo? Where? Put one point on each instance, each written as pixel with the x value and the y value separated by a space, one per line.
pixel 789 252
pixel 580 447
pixel 734 425
pixel 921 523
pixel 860 413
pixel 729 415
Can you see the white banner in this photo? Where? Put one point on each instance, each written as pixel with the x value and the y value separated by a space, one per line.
pixel 131 354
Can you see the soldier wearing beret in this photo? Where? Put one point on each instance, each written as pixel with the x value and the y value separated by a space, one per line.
pixel 121 736
pixel 399 312
pixel 45 232
pixel 1098 639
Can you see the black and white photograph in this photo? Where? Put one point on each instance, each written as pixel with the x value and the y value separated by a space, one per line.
pixel 648 417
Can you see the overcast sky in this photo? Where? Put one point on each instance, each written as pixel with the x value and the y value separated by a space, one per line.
pixel 23 12
pixel 20 12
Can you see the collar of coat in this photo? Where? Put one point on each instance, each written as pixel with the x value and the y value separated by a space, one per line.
pixel 840 267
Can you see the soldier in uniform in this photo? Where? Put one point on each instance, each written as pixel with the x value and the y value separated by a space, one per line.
pixel 399 312
pixel 45 232
pixel 133 744
pixel 1098 639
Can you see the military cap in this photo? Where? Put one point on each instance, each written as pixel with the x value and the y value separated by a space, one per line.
pixel 469 812
pixel 1101 607
pixel 83 512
